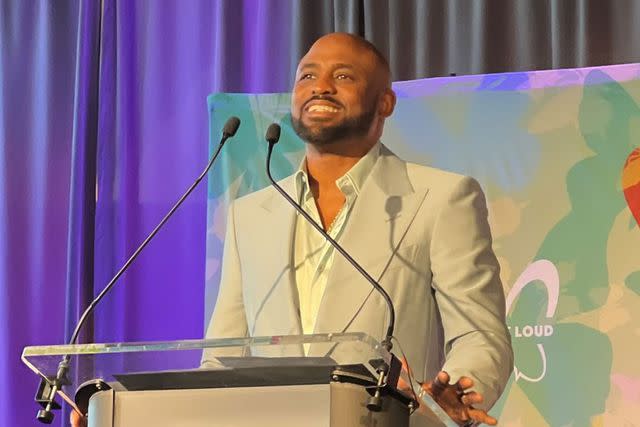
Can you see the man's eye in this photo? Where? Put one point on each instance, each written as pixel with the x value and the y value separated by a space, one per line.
pixel 306 76
pixel 343 76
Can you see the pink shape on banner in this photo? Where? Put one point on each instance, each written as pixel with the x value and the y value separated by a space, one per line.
pixel 629 386
pixel 631 183
pixel 545 271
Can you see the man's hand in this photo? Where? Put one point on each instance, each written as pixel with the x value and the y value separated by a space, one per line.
pixel 77 420
pixel 456 401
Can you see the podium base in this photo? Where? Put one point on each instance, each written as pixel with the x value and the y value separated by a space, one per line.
pixel 320 405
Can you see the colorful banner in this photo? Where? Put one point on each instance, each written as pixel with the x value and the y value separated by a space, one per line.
pixel 558 155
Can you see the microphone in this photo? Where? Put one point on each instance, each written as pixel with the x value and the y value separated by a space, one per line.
pixel 46 415
pixel 273 136
pixel 387 374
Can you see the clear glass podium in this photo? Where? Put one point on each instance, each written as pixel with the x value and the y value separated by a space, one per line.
pixel 318 380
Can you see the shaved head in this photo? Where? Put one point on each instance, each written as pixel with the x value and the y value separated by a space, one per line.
pixel 362 45
pixel 367 46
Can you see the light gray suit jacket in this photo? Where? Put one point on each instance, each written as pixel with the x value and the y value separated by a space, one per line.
pixel 422 232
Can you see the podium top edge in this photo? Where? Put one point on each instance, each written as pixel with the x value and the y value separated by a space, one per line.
pixel 195 344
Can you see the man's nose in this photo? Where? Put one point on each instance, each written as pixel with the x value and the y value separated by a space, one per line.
pixel 323 86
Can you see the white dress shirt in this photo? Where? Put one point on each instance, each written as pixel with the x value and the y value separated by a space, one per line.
pixel 313 255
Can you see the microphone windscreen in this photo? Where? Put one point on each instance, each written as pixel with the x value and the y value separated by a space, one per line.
pixel 231 127
pixel 273 133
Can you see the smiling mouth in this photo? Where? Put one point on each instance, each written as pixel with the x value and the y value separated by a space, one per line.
pixel 322 108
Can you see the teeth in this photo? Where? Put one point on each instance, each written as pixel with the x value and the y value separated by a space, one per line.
pixel 314 108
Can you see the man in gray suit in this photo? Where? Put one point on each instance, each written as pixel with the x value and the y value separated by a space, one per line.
pixel 422 232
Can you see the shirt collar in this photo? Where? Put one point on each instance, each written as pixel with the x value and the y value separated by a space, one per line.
pixel 354 178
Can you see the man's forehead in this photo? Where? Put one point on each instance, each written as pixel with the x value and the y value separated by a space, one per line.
pixel 337 54
pixel 334 65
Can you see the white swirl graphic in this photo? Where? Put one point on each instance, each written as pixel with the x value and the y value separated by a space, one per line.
pixel 546 272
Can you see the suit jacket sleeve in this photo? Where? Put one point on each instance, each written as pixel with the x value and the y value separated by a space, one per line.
pixel 228 319
pixel 469 293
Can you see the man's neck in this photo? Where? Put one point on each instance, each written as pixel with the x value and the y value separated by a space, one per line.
pixel 326 163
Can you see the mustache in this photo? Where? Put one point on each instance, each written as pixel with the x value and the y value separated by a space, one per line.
pixel 323 98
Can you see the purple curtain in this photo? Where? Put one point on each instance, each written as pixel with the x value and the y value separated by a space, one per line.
pixel 158 65
pixel 37 69
pixel 104 123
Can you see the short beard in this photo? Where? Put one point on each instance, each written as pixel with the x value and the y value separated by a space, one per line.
pixel 349 128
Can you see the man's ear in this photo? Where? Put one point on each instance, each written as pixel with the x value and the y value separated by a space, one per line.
pixel 387 103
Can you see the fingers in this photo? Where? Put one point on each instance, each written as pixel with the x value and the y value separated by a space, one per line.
pixel 457 400
pixel 402 384
pixel 77 420
pixel 465 383
pixel 481 416
pixel 439 383
pixel 471 398
pixel 442 378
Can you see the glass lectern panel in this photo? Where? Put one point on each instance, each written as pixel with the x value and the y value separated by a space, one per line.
pixel 200 363
pixel 231 362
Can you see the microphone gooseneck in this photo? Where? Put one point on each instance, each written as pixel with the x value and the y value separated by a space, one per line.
pixel 273 136
pixel 388 374
pixel 45 415
pixel 229 130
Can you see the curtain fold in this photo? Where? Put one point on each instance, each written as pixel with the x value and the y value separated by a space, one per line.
pixel 78 291
pixel 80 240
pixel 37 69
pixel 443 37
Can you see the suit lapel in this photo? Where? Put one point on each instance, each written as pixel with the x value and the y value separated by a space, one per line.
pixel 276 299
pixel 377 225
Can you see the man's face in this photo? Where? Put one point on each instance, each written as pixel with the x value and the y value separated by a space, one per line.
pixel 336 92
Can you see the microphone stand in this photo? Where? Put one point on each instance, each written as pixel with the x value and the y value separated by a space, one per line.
pixel 46 393
pixel 387 374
